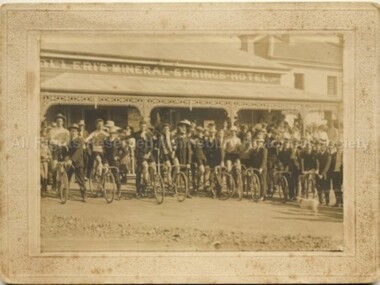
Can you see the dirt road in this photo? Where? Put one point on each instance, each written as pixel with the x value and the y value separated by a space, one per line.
pixel 200 223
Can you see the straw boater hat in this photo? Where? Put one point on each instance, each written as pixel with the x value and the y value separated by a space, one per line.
pixel 74 126
pixel 60 116
pixel 112 130
pixel 99 120
pixel 233 129
pixel 199 129
pixel 184 122
pixel 81 123
pixel 110 124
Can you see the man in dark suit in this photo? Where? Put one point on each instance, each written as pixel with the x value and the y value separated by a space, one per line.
pixel 143 155
pixel 324 161
pixel 182 144
pixel 112 145
pixel 259 160
pixel 75 158
pixel 285 157
pixel 336 174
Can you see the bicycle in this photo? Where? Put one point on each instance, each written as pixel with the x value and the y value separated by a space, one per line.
pixel 238 178
pixel 306 184
pixel 155 183
pixel 180 184
pixel 62 181
pixel 222 183
pixel 252 183
pixel 280 183
pixel 102 182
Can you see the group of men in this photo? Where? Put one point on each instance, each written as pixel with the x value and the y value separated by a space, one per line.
pixel 198 150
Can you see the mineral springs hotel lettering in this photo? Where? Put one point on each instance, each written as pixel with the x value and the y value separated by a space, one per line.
pixel 169 71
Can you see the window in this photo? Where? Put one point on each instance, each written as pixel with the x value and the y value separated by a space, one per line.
pixel 332 85
pixel 299 81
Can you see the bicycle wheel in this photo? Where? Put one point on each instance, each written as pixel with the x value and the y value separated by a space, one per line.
pixel 109 186
pixel 159 190
pixel 239 185
pixel 94 183
pixel 227 186
pixel 63 185
pixel 213 184
pixel 255 187
pixel 180 186
pixel 283 188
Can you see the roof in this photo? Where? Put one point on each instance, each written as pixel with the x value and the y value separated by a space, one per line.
pixel 302 50
pixel 201 51
pixel 107 84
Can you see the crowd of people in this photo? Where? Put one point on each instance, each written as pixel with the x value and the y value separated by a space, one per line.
pixel 265 146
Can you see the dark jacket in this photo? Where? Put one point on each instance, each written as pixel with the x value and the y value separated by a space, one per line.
pixel 75 152
pixel 111 150
pixel 144 146
pixel 324 161
pixel 333 162
pixel 309 161
pixel 285 156
pixel 213 152
pixel 183 149
pixel 198 147
pixel 259 158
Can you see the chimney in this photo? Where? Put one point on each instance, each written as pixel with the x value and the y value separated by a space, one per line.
pixel 248 43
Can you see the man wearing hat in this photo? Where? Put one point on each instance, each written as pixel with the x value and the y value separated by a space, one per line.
pixel 309 162
pixel 324 162
pixel 75 158
pixel 336 173
pixel 144 157
pixel 213 153
pixel 58 139
pixel 112 145
pixel 182 148
pixel 96 141
pixel 198 158
pixel 86 150
pixel 166 150
pixel 259 160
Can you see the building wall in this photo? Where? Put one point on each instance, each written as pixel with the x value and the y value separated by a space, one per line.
pixel 315 80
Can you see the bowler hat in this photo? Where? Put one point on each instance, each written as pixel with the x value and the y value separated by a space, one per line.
pixel 60 116
pixel 81 123
pixel 74 126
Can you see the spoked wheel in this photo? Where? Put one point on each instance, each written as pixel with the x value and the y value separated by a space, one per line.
pixel 283 189
pixel 213 185
pixel 253 186
pixel 239 185
pixel 159 189
pixel 180 186
pixel 227 186
pixel 63 185
pixel 109 186
pixel 95 183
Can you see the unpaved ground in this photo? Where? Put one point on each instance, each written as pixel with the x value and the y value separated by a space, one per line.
pixel 200 223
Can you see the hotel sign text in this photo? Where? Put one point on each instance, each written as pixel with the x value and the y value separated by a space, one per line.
pixel 157 71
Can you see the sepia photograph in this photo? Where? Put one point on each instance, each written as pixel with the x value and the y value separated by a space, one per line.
pixel 191 142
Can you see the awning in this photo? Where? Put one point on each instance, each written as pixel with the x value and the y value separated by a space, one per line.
pixel 133 85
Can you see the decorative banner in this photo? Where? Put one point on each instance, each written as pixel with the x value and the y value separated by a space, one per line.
pixel 157 71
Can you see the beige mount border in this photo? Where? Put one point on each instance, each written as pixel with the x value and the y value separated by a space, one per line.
pixel 21 260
